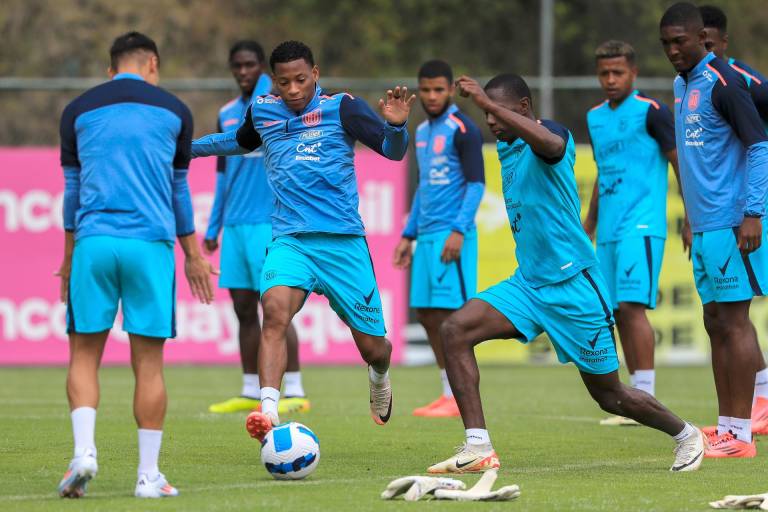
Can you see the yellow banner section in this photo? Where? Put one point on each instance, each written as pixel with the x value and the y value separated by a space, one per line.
pixel 677 319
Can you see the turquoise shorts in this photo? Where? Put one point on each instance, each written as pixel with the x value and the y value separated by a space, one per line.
pixel 139 275
pixel 631 269
pixel 574 313
pixel 337 266
pixel 722 273
pixel 243 249
pixel 435 284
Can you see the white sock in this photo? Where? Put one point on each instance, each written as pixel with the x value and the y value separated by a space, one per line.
pixel 632 379
pixel 376 377
pixel 149 452
pixel 269 399
pixel 293 385
pixel 83 427
pixel 645 380
pixel 742 429
pixel 684 434
pixel 477 436
pixel 251 388
pixel 723 424
pixel 446 385
pixel 761 383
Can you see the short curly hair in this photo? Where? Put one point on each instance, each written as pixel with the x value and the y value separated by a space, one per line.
pixel 289 51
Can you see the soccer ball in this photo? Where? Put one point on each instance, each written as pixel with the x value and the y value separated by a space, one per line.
pixel 290 451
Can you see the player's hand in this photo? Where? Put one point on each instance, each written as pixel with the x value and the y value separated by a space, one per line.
pixel 452 247
pixel 590 226
pixel 198 271
pixel 403 254
pixel 687 235
pixel 210 245
pixel 470 88
pixel 750 234
pixel 64 272
pixel 396 105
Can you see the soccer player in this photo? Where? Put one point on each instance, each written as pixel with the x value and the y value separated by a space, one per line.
pixel 716 28
pixel 243 204
pixel 723 153
pixel 633 138
pixel 557 288
pixel 449 151
pixel 319 239
pixel 125 149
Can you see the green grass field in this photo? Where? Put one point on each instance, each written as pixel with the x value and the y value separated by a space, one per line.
pixel 543 424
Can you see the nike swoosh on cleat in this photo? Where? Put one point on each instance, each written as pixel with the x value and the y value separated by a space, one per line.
pixel 460 465
pixel 683 466
pixel 389 412
pixel 369 296
pixel 725 266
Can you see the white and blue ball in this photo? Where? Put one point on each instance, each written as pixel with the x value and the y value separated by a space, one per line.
pixel 290 451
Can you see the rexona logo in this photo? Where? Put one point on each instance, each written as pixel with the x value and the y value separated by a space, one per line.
pixel 310 135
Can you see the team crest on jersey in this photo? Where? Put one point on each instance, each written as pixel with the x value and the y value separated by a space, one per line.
pixel 438 145
pixel 693 99
pixel 623 123
pixel 312 118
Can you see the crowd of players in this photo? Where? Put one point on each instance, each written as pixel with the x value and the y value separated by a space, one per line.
pixel 286 198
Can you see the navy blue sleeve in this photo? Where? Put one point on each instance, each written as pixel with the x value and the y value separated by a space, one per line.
pixel 759 92
pixel 247 136
pixel 221 161
pixel 68 156
pixel 361 123
pixel 559 130
pixel 468 142
pixel 733 101
pixel 184 141
pixel 660 124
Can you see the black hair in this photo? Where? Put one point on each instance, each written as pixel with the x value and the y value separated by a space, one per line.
pixel 613 48
pixel 714 17
pixel 248 45
pixel 512 85
pixel 682 14
pixel 288 51
pixel 436 68
pixel 129 43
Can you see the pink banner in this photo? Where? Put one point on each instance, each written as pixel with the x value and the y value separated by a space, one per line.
pixel 32 320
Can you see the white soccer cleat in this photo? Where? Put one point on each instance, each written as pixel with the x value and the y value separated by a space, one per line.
pixel 619 421
pixel 468 459
pixel 690 452
pixel 381 400
pixel 80 471
pixel 157 488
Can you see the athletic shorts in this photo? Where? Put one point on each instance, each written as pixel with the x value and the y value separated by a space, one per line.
pixel 435 284
pixel 337 266
pixel 574 313
pixel 243 249
pixel 722 273
pixel 631 269
pixel 138 274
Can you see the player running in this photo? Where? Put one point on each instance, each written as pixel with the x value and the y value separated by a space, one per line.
pixel 449 151
pixel 556 289
pixel 125 149
pixel 319 245
pixel 633 138
pixel 243 205
pixel 716 28
pixel 723 152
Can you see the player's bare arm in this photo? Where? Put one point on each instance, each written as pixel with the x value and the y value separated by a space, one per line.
pixel 197 269
pixel 685 233
pixel 66 265
pixel 452 247
pixel 395 106
pixel 590 222
pixel 403 254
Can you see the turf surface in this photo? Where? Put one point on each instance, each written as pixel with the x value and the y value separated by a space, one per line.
pixel 543 424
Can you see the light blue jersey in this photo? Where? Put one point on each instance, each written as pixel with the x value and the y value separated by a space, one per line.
pixel 544 211
pixel 629 143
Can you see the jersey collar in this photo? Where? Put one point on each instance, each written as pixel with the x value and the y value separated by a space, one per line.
pixel 130 76
pixel 631 95
pixel 451 109
pixel 698 68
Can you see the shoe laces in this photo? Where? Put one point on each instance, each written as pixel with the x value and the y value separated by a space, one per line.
pixel 725 438
pixel 687 447
pixel 380 392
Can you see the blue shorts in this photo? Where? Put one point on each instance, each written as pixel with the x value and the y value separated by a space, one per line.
pixel 138 274
pixel 631 269
pixel 243 249
pixel 574 313
pixel 337 266
pixel 435 284
pixel 722 273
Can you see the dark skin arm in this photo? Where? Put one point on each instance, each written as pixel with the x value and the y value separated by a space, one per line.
pixel 686 234
pixel 750 234
pixel 590 222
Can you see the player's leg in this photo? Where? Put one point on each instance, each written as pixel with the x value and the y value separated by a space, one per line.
pixel 760 402
pixel 295 399
pixel 635 330
pixel 712 324
pixel 376 351
pixel 445 406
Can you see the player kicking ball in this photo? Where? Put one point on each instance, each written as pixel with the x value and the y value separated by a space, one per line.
pixel 556 289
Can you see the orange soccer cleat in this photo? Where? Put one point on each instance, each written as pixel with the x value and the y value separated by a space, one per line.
pixel 727 446
pixel 710 433
pixel 443 407
pixel 760 416
pixel 259 424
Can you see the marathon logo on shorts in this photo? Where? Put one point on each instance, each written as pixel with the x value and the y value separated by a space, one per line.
pixel 594 356
pixel 311 119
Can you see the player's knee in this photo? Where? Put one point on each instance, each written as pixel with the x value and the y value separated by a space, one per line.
pixel 452 332
pixel 276 318
pixel 247 312
pixel 712 324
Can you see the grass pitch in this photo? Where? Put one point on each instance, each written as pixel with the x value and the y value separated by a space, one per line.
pixel 542 423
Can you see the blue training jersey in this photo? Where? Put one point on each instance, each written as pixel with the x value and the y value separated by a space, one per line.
pixel 628 143
pixel 310 157
pixel 758 87
pixel 449 151
pixel 543 206
pixel 242 195
pixel 722 146
pixel 125 150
